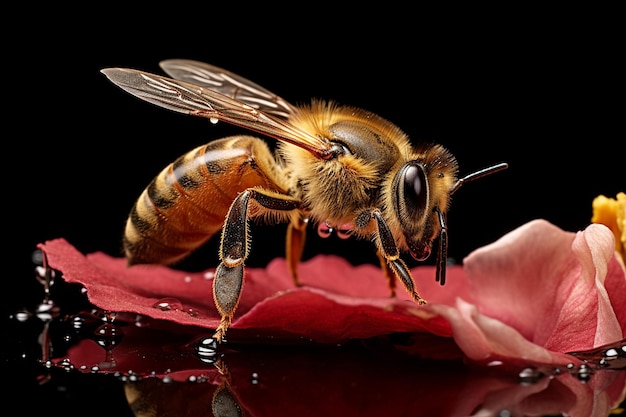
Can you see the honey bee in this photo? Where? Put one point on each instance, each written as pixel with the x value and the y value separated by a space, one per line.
pixel 340 168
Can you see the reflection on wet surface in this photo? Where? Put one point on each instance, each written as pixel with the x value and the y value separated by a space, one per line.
pixel 137 366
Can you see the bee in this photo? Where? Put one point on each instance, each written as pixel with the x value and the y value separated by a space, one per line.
pixel 339 168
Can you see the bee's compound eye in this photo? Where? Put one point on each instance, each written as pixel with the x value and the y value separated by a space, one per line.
pixel 415 188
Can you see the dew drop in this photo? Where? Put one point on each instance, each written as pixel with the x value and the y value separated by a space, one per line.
pixel 141 321
pixel 530 376
pixel 584 373
pixel 168 304
pixel 23 315
pixel 207 350
pixel 214 120
pixel 78 322
pixel 47 311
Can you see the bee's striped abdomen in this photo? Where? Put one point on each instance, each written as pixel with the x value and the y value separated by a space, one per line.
pixel 187 202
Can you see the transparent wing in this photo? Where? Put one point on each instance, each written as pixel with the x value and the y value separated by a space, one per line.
pixel 228 84
pixel 188 98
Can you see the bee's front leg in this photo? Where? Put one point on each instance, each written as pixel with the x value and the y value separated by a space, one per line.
pixel 388 250
pixel 228 280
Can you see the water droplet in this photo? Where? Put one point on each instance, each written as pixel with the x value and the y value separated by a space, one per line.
pixel 141 321
pixel 108 335
pixel 530 376
pixel 22 315
pixel 37 257
pixel 214 120
pixel 109 316
pixel 78 322
pixel 168 304
pixel 255 378
pixel 47 311
pixel 609 356
pixel 324 230
pixel 583 373
pixel 207 350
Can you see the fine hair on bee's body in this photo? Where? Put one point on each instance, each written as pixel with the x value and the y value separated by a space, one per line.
pixel 340 168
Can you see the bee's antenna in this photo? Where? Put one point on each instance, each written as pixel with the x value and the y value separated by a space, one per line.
pixel 478 174
pixel 442 253
pixel 442 256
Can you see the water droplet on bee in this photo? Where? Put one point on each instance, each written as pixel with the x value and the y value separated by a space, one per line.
pixel 214 120
pixel 324 230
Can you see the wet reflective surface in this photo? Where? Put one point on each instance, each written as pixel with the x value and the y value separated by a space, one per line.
pixel 71 357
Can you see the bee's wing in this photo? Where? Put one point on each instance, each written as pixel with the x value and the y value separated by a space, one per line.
pixel 185 97
pixel 227 83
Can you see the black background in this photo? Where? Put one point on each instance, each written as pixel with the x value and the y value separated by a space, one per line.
pixel 542 90
pixel 539 90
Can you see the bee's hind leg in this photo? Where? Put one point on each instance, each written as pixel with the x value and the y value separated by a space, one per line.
pixel 227 286
pixel 229 275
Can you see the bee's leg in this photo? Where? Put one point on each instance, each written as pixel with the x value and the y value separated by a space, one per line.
pixel 389 274
pixel 227 285
pixel 387 248
pixel 296 234
pixel 228 280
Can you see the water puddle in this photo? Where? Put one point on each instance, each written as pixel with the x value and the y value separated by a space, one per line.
pixel 164 369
